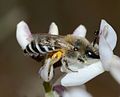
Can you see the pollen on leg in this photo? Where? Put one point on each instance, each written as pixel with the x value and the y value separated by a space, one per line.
pixel 57 55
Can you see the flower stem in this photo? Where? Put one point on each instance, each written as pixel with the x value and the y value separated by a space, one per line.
pixel 48 89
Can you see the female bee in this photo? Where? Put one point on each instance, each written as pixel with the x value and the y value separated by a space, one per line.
pixel 43 45
pixel 69 45
pixel 70 49
pixel 38 46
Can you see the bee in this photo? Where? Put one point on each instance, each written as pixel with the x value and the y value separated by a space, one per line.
pixel 46 45
pixel 69 48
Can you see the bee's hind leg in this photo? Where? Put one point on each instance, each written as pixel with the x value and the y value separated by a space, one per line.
pixel 56 57
pixel 46 71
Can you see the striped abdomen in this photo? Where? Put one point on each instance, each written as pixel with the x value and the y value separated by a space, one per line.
pixel 35 49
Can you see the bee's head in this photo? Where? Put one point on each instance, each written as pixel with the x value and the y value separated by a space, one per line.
pixel 80 44
pixel 85 50
pixel 82 55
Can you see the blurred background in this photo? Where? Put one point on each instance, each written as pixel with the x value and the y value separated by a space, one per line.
pixel 19 74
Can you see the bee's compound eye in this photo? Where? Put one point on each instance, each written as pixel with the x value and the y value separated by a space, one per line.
pixel 91 54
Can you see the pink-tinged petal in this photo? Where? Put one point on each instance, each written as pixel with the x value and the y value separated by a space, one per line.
pixel 80 31
pixel 109 33
pixel 76 91
pixel 105 52
pixel 23 34
pixel 59 89
pixel 53 29
pixel 46 72
pixel 115 68
pixel 83 75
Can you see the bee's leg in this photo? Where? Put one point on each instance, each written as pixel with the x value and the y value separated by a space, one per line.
pixel 56 57
pixel 46 71
pixel 65 66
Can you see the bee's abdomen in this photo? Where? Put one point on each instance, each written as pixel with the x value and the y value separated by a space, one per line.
pixel 36 49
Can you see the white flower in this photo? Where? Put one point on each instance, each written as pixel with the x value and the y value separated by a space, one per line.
pixel 108 61
pixel 24 37
pixel 74 91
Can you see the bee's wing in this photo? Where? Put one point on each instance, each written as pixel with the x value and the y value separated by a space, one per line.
pixel 48 45
pixel 55 41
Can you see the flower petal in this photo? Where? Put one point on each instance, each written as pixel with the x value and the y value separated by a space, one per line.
pixel 105 52
pixel 46 72
pixel 76 91
pixel 80 31
pixel 59 89
pixel 109 32
pixel 83 75
pixel 53 29
pixel 23 34
pixel 110 62
pixel 115 68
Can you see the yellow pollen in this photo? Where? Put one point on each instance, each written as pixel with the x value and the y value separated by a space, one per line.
pixel 57 55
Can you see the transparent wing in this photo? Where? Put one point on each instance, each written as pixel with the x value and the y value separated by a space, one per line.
pixel 56 41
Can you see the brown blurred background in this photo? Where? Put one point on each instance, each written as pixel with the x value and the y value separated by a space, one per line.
pixel 18 74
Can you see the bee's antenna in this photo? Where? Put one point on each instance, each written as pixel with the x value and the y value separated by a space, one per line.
pixel 96 37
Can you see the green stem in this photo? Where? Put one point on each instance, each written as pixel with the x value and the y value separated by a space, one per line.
pixel 47 86
pixel 48 89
